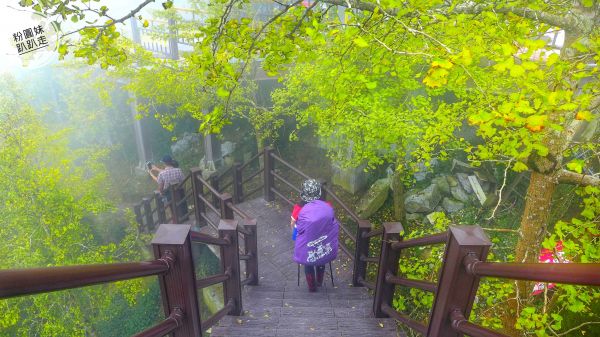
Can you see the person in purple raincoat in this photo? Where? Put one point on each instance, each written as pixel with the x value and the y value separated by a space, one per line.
pixel 317 238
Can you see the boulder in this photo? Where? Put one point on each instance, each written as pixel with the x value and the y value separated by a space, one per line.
pixel 423 201
pixel 452 181
pixel 452 205
pixel 351 179
pixel 432 216
pixel 463 179
pixel 459 166
pixel 414 217
pixel 187 149
pixel 491 200
pixel 487 187
pixel 442 184
pixel 374 198
pixel 459 193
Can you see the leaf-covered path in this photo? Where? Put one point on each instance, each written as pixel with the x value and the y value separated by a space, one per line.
pixel 279 307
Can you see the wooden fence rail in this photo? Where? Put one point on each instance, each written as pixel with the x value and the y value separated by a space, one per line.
pixel 464 261
pixel 462 266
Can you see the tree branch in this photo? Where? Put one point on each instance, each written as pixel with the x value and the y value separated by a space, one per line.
pixel 251 48
pixel 562 21
pixel 569 177
pixel 577 328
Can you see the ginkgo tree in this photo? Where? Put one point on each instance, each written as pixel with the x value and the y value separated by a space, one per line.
pixel 49 194
pixel 396 80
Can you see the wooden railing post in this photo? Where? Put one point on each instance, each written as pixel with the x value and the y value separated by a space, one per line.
pixel 456 288
pixel 388 263
pixel 174 200
pixel 251 246
pixel 238 191
pixel 178 285
pixel 214 183
pixel 268 177
pixel 197 189
pixel 362 250
pixel 226 211
pixel 323 190
pixel 230 264
pixel 137 209
pixel 160 208
pixel 148 214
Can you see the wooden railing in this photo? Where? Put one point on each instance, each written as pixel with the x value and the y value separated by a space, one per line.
pixel 464 261
pixel 172 264
pixel 276 185
pixel 463 265
pixel 158 208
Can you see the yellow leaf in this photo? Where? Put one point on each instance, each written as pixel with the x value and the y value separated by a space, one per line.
pixel 552 59
pixel 584 115
pixel 442 64
pixel 516 71
pixel 466 57
pixel 146 24
pixel 536 120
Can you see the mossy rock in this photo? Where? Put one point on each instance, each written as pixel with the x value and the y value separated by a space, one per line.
pixel 374 198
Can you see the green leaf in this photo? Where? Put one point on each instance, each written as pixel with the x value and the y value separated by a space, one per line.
pixel 167 4
pixel 576 165
pixel 371 85
pixel 360 42
pixel 520 167
pixel 222 92
pixel 553 58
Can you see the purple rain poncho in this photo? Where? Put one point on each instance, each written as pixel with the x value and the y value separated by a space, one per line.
pixel 317 240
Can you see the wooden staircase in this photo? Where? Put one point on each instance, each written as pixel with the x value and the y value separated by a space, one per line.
pixel 279 307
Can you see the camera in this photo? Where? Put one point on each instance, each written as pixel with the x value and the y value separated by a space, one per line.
pixel 149 165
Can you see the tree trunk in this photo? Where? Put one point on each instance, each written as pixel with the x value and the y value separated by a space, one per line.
pixel 534 223
pixel 398 196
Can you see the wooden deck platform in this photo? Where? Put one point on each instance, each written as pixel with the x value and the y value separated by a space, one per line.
pixel 279 307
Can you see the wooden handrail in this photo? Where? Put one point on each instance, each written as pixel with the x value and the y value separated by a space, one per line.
pixel 283 180
pixel 238 211
pixel 213 279
pixel 212 320
pixel 461 324
pixel 209 204
pixel 419 284
pixel 290 166
pixel 250 177
pixel 418 326
pixel 167 326
pixel 224 172
pixel 209 186
pixel 342 204
pixel 208 239
pixel 18 282
pixel 372 233
pixel 568 273
pixel 282 196
pixel 422 241
pixel 243 166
